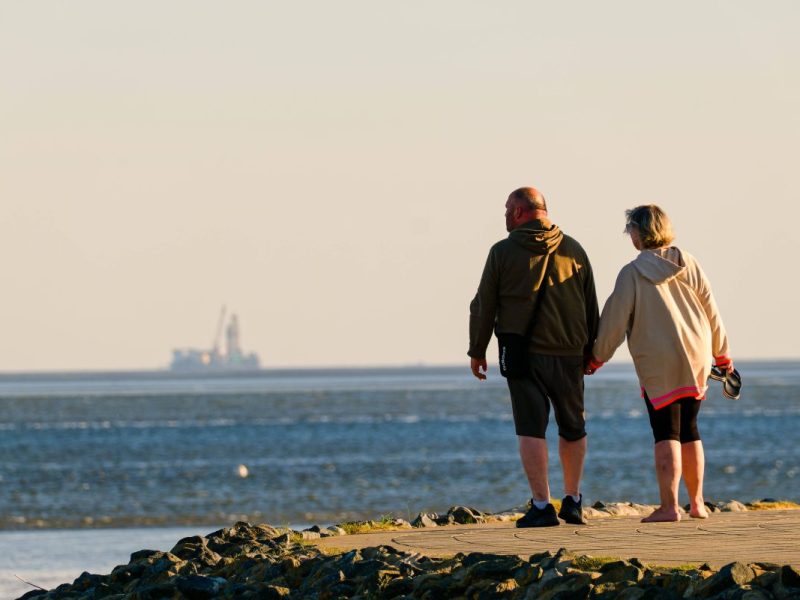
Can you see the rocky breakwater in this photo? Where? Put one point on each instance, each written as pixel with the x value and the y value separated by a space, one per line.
pixel 262 562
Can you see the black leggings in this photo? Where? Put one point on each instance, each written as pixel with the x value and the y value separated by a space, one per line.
pixel 676 421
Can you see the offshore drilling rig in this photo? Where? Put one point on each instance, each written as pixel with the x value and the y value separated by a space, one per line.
pixel 218 358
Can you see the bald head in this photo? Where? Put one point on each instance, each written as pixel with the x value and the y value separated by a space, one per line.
pixel 523 205
pixel 529 199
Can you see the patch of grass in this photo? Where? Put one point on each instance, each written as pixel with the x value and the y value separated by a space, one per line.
pixel 592 563
pixel 297 538
pixel 684 568
pixel 384 523
pixel 777 505
pixel 331 550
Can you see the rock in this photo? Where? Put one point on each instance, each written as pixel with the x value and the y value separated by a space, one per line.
pixel 398 587
pixel 767 579
pixel 748 593
pixel 126 573
pixel 345 589
pixel 548 575
pixel 560 560
pixel 464 515
pixel 445 519
pixel 611 591
pixel 402 523
pixel 32 594
pixel 679 583
pixel 199 587
pixel 497 568
pixel 504 516
pixel 732 506
pixel 336 530
pixel 619 571
pixel 367 568
pixel 425 520
pixel 632 593
pixel 487 590
pixel 86 581
pixel 434 585
pixel 569 587
pixel 733 574
pixel 528 574
pixel 196 549
pixel 790 576
pixel 540 557
pixel 153 592
pixel 624 509
pixel 273 592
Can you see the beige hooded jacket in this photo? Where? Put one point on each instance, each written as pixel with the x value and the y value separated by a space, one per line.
pixel 663 302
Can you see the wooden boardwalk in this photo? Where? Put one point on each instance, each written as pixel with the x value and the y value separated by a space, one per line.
pixel 753 536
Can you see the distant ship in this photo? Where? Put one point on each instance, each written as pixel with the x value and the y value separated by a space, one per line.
pixel 217 359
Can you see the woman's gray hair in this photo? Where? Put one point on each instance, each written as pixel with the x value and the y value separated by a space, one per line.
pixel 653 224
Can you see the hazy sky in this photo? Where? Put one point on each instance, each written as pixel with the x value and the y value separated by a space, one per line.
pixel 335 172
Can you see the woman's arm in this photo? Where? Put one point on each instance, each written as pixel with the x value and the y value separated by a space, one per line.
pixel 616 317
pixel 719 338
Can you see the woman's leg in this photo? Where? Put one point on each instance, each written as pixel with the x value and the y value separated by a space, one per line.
pixel 666 426
pixel 693 461
pixel 692 457
pixel 668 473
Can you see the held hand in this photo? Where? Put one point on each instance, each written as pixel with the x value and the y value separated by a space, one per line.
pixel 720 367
pixel 477 365
pixel 591 366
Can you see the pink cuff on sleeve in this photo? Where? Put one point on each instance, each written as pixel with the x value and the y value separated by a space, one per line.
pixel 723 362
pixel 594 364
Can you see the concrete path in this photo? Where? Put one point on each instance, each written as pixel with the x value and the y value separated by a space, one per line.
pixel 753 536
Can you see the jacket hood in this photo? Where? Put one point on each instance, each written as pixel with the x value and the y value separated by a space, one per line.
pixel 661 265
pixel 540 236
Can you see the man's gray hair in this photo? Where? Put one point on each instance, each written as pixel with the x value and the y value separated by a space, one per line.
pixel 529 198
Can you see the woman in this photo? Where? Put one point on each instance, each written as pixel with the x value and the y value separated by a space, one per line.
pixel 663 302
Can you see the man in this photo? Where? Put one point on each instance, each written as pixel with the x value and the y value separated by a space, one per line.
pixel 565 328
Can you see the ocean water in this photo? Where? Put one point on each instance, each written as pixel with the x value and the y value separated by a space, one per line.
pixel 100 461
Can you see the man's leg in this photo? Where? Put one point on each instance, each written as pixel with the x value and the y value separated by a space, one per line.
pixel 533 452
pixel 531 410
pixel 572 455
pixel 563 376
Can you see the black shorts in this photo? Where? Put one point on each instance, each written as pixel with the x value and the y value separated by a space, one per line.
pixel 676 421
pixel 558 380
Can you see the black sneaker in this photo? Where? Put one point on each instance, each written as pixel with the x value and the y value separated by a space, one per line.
pixel 539 517
pixel 571 511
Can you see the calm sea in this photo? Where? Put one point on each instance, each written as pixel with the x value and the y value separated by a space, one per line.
pixel 139 455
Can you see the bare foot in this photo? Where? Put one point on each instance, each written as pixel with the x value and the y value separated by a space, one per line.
pixel 698 512
pixel 663 515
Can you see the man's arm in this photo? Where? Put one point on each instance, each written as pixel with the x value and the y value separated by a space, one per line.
pixel 478 367
pixel 482 315
pixel 592 309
